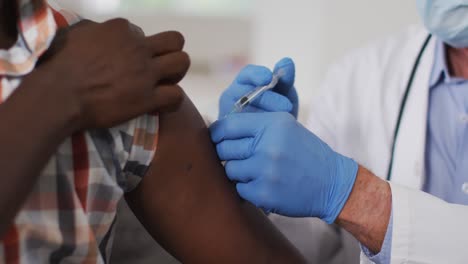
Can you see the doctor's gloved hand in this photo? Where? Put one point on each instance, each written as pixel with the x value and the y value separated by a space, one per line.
pixel 282 98
pixel 282 167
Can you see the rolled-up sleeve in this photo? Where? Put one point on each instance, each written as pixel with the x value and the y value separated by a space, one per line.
pixel 135 144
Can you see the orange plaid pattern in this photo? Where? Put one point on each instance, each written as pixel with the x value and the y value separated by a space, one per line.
pixel 38 29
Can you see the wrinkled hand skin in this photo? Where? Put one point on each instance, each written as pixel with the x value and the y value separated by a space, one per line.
pixel 366 214
pixel 111 72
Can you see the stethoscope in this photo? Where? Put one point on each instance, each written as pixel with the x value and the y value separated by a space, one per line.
pixel 403 104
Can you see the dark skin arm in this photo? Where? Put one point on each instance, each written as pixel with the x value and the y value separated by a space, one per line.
pixel 188 205
pixel 28 138
pixel 25 140
pixel 66 108
pixel 74 89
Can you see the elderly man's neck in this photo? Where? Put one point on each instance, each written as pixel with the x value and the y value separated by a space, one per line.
pixel 8 23
pixel 458 62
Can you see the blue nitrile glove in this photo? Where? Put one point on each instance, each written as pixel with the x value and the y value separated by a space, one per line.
pixel 282 167
pixel 282 98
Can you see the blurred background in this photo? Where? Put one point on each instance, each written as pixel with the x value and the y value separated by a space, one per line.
pixel 224 35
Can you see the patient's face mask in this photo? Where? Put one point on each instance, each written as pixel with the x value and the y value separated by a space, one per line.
pixel 446 19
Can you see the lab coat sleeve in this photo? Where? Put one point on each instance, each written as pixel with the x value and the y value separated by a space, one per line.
pixel 427 229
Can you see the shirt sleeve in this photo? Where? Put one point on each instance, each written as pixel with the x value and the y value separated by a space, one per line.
pixel 135 144
pixel 384 256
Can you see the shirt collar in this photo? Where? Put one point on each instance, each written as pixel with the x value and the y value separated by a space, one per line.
pixel 440 69
pixel 37 29
pixel 440 72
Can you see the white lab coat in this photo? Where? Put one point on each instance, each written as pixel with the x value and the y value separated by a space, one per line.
pixel 356 115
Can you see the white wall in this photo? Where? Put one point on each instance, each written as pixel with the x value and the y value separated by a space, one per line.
pixel 317 32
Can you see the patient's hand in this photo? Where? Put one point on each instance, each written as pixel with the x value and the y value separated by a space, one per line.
pixel 110 72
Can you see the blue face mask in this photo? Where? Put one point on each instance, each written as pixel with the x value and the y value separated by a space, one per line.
pixel 447 20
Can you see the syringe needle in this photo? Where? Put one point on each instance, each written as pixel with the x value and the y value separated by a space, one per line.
pixel 249 97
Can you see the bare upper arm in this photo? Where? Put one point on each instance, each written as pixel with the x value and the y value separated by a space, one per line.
pixel 189 206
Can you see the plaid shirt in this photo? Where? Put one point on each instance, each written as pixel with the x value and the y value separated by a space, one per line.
pixel 70 214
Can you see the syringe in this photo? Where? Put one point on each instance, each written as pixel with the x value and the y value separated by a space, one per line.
pixel 245 100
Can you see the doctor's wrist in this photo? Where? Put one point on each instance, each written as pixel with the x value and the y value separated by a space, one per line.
pixel 366 214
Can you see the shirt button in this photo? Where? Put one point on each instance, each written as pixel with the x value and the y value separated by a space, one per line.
pixel 463 118
pixel 465 187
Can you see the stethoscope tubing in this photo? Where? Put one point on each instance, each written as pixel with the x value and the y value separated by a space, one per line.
pixel 403 104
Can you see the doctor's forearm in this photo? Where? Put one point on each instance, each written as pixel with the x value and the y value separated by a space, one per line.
pixel 366 214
